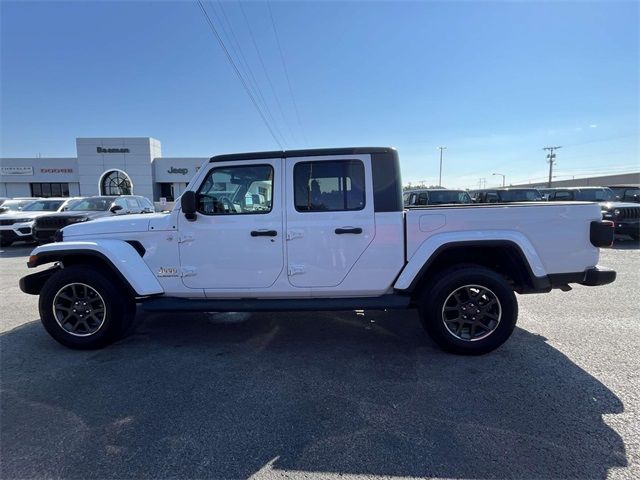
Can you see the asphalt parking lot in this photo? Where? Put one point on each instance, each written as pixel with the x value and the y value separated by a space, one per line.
pixel 328 394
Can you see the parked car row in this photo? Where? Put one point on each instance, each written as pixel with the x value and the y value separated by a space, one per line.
pixel 38 219
pixel 619 203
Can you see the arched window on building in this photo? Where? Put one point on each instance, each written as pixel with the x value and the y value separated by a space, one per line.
pixel 115 182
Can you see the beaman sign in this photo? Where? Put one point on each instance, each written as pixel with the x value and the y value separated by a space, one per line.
pixel 112 150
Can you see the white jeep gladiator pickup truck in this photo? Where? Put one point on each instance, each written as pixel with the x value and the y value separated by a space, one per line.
pixel 316 230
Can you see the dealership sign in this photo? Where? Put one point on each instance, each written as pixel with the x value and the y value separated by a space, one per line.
pixel 112 150
pixel 182 171
pixel 56 170
pixel 16 170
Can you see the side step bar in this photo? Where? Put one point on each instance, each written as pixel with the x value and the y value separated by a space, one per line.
pixel 173 304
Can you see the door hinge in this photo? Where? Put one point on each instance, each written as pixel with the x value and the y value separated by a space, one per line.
pixel 296 269
pixel 291 234
pixel 189 271
pixel 185 237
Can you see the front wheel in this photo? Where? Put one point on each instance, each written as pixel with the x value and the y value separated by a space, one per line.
pixel 83 309
pixel 469 310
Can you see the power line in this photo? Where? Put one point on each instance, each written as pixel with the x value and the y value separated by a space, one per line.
pixel 286 73
pixel 266 73
pixel 237 72
pixel 243 60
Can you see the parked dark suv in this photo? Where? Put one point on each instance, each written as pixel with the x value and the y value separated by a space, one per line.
pixel 436 196
pixel 89 208
pixel 507 195
pixel 624 215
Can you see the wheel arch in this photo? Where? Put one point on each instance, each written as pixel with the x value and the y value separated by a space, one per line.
pixel 505 257
pixel 120 260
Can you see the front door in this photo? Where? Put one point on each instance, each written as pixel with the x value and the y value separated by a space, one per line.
pixel 236 240
pixel 330 217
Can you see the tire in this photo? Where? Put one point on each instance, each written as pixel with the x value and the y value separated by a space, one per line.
pixel 451 297
pixel 6 243
pixel 78 287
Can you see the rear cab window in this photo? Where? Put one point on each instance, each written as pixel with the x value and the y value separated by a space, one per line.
pixel 329 186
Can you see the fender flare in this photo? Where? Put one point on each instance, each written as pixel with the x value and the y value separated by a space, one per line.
pixel 123 259
pixel 428 251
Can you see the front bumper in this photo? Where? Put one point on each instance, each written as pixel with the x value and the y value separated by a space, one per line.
pixel 17 231
pixel 44 235
pixel 630 227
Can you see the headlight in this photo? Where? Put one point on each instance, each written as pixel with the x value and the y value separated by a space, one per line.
pixel 25 220
pixel 77 220
pixel 616 212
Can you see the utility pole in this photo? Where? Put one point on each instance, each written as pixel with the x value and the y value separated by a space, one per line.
pixel 440 177
pixel 503 177
pixel 551 159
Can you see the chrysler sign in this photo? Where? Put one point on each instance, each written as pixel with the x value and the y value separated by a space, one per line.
pixel 112 150
pixel 16 170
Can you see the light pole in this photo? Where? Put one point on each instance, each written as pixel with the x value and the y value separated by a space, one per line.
pixel 503 177
pixel 440 177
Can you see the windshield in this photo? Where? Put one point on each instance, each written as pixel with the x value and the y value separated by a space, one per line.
pixel 624 194
pixel 529 195
pixel 448 196
pixel 43 206
pixel 594 195
pixel 98 204
pixel 14 205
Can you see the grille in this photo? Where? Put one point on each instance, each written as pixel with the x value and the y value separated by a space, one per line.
pixel 628 213
pixel 7 222
pixel 42 234
pixel 51 222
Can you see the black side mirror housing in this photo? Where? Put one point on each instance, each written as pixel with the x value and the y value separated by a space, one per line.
pixel 188 204
pixel 115 208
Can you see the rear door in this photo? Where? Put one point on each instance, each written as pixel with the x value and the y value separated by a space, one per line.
pixel 330 218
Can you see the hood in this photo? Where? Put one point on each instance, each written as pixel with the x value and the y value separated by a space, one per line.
pixel 76 214
pixel 13 215
pixel 612 205
pixel 112 224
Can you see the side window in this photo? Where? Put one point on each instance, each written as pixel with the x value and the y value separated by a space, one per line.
pixel 329 186
pixel 236 190
pixel 423 199
pixel 492 197
pixel 563 195
pixel 121 202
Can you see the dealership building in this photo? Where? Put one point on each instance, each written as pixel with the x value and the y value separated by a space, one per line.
pixel 102 166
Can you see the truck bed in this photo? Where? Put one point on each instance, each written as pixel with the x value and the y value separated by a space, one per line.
pixel 555 235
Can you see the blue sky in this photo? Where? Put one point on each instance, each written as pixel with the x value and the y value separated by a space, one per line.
pixel 493 81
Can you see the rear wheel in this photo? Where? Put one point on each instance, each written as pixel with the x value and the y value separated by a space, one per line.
pixel 469 310
pixel 84 309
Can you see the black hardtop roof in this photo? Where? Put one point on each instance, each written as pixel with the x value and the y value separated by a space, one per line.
pixel 314 152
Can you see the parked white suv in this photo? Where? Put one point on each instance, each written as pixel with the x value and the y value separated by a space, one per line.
pixel 18 225
pixel 316 230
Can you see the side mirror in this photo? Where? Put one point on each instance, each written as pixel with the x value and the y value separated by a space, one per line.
pixel 188 204
pixel 115 208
